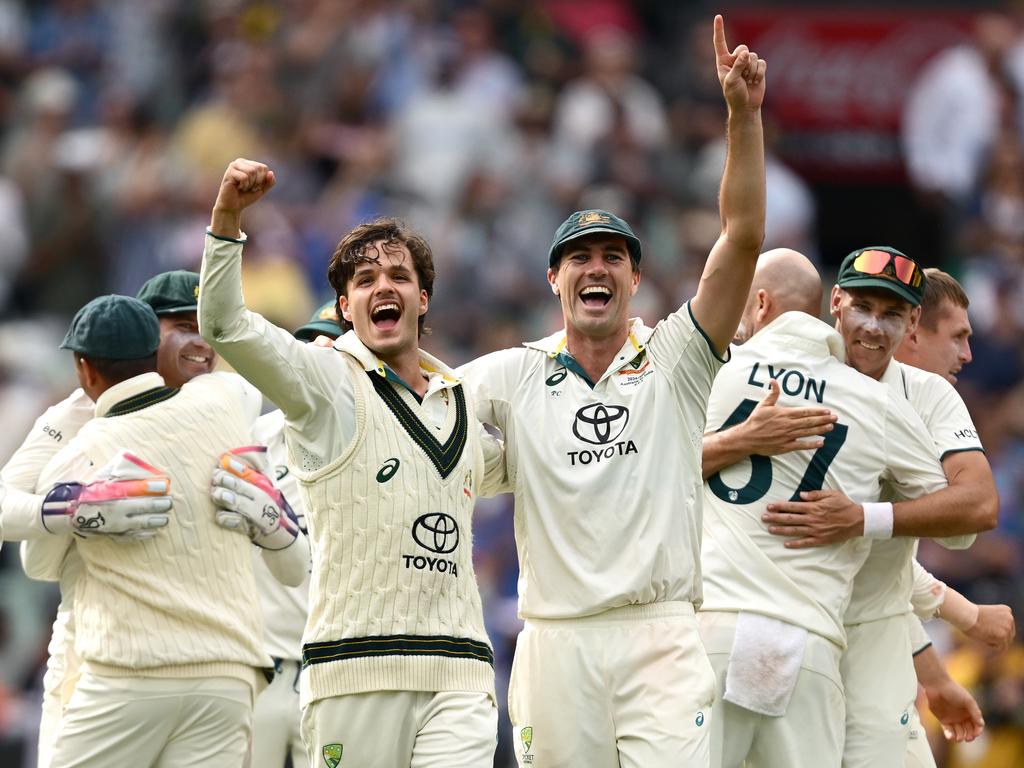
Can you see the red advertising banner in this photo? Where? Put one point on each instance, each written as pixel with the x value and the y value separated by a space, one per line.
pixel 838 80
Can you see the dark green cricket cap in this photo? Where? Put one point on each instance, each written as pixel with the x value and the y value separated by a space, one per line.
pixel 324 322
pixel 587 223
pixel 114 327
pixel 911 290
pixel 171 292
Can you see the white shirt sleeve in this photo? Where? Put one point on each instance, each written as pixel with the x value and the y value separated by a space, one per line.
pixel 681 349
pixel 928 592
pixel 283 368
pixel 912 466
pixel 20 514
pixel 42 557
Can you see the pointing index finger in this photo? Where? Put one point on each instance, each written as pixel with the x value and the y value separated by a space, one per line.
pixel 721 47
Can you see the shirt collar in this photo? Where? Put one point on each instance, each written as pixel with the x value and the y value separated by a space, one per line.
pixel 803 330
pixel 127 388
pixel 636 340
pixel 350 344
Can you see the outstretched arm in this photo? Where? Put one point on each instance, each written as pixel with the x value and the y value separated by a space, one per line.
pixel 729 271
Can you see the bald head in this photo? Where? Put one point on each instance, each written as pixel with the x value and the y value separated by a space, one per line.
pixel 784 281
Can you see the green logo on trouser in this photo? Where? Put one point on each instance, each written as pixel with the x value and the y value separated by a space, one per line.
pixel 332 754
pixel 904 718
pixel 700 719
pixel 527 736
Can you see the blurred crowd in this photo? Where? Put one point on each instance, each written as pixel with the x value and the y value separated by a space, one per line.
pixel 482 124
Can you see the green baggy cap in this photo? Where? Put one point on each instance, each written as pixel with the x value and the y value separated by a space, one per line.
pixel 911 290
pixel 587 223
pixel 324 322
pixel 171 292
pixel 114 327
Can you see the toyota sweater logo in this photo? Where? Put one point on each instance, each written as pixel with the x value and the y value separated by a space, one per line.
pixel 600 424
pixel 437 532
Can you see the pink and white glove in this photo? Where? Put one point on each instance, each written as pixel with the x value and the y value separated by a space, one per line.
pixel 248 502
pixel 129 498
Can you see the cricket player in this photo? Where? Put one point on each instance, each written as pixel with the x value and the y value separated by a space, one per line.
pixel 772 619
pixel 876 303
pixel 602 424
pixel 276 719
pixel 941 344
pixel 168 629
pixel 172 295
pixel 397 667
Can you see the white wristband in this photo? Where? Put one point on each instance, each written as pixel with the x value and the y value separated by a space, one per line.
pixel 877 520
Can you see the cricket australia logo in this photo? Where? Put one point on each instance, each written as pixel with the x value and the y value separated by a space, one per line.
pixel 526 735
pixel 599 424
pixel 332 754
pixel 437 533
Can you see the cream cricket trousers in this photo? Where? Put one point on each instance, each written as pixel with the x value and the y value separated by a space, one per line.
pixel 275 720
pixel 810 733
pixel 919 751
pixel 629 687
pixel 392 729
pixel 881 686
pixel 155 723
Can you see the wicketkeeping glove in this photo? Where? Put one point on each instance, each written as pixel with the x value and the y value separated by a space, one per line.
pixel 248 502
pixel 129 499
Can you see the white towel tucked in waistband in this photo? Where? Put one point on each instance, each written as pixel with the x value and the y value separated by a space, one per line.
pixel 764 663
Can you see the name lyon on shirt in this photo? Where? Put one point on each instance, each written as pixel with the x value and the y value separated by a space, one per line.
pixel 791 381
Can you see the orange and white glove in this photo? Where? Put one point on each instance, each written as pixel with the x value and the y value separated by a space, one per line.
pixel 248 502
pixel 129 498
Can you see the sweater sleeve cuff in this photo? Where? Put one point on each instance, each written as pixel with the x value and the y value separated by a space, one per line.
pixel 222 238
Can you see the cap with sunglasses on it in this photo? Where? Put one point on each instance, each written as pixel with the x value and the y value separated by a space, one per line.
pixel 886 268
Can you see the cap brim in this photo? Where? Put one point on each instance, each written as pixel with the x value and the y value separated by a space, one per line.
pixel 631 240
pixel 310 331
pixel 893 286
pixel 176 310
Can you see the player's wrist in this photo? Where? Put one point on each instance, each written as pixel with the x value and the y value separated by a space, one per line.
pixel 226 223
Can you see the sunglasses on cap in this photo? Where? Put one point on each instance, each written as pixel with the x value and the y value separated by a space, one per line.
pixel 877 263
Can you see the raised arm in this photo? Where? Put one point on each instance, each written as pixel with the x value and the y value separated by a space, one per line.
pixel 725 283
pixel 277 364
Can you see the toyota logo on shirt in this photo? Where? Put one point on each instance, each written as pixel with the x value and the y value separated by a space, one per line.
pixel 600 424
pixel 437 532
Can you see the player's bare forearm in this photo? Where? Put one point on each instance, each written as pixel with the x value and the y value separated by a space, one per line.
pixel 969 505
pixel 729 270
pixel 721 450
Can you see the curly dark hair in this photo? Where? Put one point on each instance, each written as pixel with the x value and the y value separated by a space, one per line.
pixel 356 248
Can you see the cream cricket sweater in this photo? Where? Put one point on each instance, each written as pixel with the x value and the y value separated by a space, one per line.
pixel 398 608
pixel 184 603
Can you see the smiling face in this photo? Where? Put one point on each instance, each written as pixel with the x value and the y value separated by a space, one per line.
pixel 872 322
pixel 183 354
pixel 384 300
pixel 594 281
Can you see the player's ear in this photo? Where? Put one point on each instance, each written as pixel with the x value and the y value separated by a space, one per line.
pixel 835 300
pixel 636 282
pixel 424 302
pixel 764 305
pixel 915 318
pixel 343 305
pixel 553 280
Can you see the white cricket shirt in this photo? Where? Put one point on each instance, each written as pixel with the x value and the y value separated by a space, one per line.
pixel 878 435
pixel 606 475
pixel 884 585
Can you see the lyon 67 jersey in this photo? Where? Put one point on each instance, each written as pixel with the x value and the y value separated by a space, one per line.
pixel 606 474
pixel 877 437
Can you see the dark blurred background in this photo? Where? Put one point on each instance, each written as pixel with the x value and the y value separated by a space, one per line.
pixel 484 124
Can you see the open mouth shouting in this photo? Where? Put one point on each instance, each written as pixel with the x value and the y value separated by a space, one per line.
pixel 595 296
pixel 385 315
